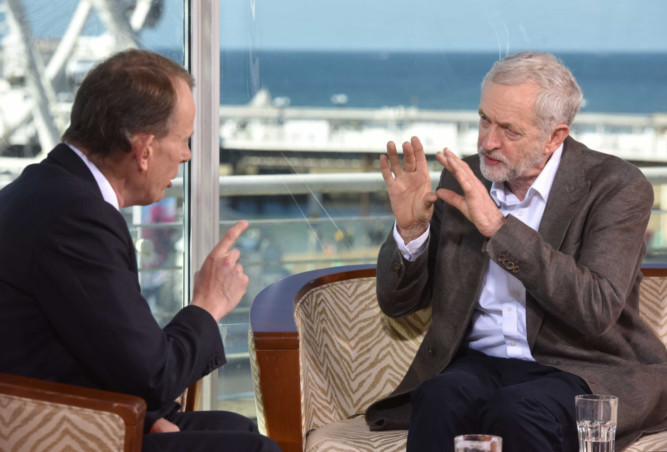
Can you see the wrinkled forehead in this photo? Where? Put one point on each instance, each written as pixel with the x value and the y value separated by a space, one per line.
pixel 514 100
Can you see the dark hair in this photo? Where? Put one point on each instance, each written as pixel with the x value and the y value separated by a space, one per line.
pixel 131 92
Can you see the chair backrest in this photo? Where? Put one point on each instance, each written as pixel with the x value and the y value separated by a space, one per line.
pixel 653 301
pixel 350 353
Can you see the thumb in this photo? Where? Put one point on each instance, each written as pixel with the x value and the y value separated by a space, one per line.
pixel 451 198
pixel 429 199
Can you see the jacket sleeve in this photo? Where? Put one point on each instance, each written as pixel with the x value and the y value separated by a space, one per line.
pixel 404 287
pixel 585 280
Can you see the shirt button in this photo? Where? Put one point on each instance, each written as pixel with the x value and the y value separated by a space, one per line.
pixel 509 309
pixel 512 343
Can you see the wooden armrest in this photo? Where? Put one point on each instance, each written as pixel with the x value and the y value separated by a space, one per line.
pixel 657 270
pixel 131 409
pixel 277 350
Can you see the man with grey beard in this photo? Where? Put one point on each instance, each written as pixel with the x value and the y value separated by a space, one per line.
pixel 529 254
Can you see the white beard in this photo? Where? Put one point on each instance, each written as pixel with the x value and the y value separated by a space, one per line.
pixel 506 171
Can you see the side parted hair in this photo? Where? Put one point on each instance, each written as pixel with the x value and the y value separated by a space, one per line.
pixel 559 98
pixel 131 92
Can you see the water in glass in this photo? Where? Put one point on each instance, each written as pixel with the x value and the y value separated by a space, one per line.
pixel 596 436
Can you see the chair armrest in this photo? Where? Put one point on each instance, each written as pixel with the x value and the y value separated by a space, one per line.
pixel 190 398
pixel 276 345
pixel 47 399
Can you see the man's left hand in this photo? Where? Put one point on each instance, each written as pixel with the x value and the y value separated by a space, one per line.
pixel 164 426
pixel 476 203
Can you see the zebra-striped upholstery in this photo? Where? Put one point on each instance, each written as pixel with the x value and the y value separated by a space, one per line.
pixel 254 369
pixel 33 425
pixel 351 354
pixel 37 415
pixel 653 304
pixel 351 357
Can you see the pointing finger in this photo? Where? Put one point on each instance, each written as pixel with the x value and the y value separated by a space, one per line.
pixel 230 237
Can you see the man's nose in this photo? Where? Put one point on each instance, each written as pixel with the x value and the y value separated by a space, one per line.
pixel 492 138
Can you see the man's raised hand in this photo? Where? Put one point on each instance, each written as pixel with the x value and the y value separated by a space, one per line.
pixel 221 283
pixel 410 192
pixel 476 203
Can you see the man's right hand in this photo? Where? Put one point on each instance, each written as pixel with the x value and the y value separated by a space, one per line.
pixel 409 188
pixel 221 283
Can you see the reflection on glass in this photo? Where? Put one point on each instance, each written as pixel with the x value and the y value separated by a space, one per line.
pixel 46 48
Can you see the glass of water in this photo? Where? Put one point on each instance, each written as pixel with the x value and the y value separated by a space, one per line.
pixel 596 422
pixel 478 443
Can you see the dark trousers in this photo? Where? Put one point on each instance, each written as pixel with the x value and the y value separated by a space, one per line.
pixel 529 405
pixel 204 431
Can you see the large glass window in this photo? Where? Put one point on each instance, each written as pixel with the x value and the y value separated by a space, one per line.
pixel 312 91
pixel 46 48
pixel 310 94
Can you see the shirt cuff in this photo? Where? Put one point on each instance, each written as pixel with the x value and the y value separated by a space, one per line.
pixel 412 250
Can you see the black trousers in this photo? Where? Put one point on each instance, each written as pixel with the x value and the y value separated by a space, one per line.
pixel 204 431
pixel 529 405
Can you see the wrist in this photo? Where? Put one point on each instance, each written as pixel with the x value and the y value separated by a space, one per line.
pixel 500 221
pixel 411 233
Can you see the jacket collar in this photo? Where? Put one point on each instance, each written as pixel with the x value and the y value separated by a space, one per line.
pixel 567 193
pixel 67 159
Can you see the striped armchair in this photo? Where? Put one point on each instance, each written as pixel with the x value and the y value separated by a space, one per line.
pixel 39 415
pixel 322 351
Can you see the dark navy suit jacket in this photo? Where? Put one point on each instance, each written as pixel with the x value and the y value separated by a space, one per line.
pixel 71 309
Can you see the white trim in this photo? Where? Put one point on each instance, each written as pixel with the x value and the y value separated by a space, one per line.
pixel 204 34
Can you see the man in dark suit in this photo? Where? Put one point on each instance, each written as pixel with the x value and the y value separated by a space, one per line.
pixel 70 303
pixel 529 254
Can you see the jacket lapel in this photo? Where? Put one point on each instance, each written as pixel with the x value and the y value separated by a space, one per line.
pixel 567 193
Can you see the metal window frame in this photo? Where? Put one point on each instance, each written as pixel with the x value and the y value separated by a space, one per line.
pixel 202 54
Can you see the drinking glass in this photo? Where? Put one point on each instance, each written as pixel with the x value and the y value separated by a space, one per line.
pixel 478 443
pixel 596 422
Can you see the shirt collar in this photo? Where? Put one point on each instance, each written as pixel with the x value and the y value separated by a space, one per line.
pixel 107 190
pixel 541 186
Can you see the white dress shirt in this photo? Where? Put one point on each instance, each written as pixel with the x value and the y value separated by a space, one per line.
pixel 107 190
pixel 498 325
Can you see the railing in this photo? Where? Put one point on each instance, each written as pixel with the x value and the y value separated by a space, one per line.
pixel 266 127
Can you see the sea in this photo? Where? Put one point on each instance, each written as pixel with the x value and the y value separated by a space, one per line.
pixel 619 83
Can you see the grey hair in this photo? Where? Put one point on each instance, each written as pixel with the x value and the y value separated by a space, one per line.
pixel 559 98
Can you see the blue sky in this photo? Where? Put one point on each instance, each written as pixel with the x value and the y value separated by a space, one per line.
pixel 449 25
pixel 415 25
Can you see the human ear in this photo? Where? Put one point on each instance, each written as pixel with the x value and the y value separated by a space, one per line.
pixel 142 149
pixel 557 137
